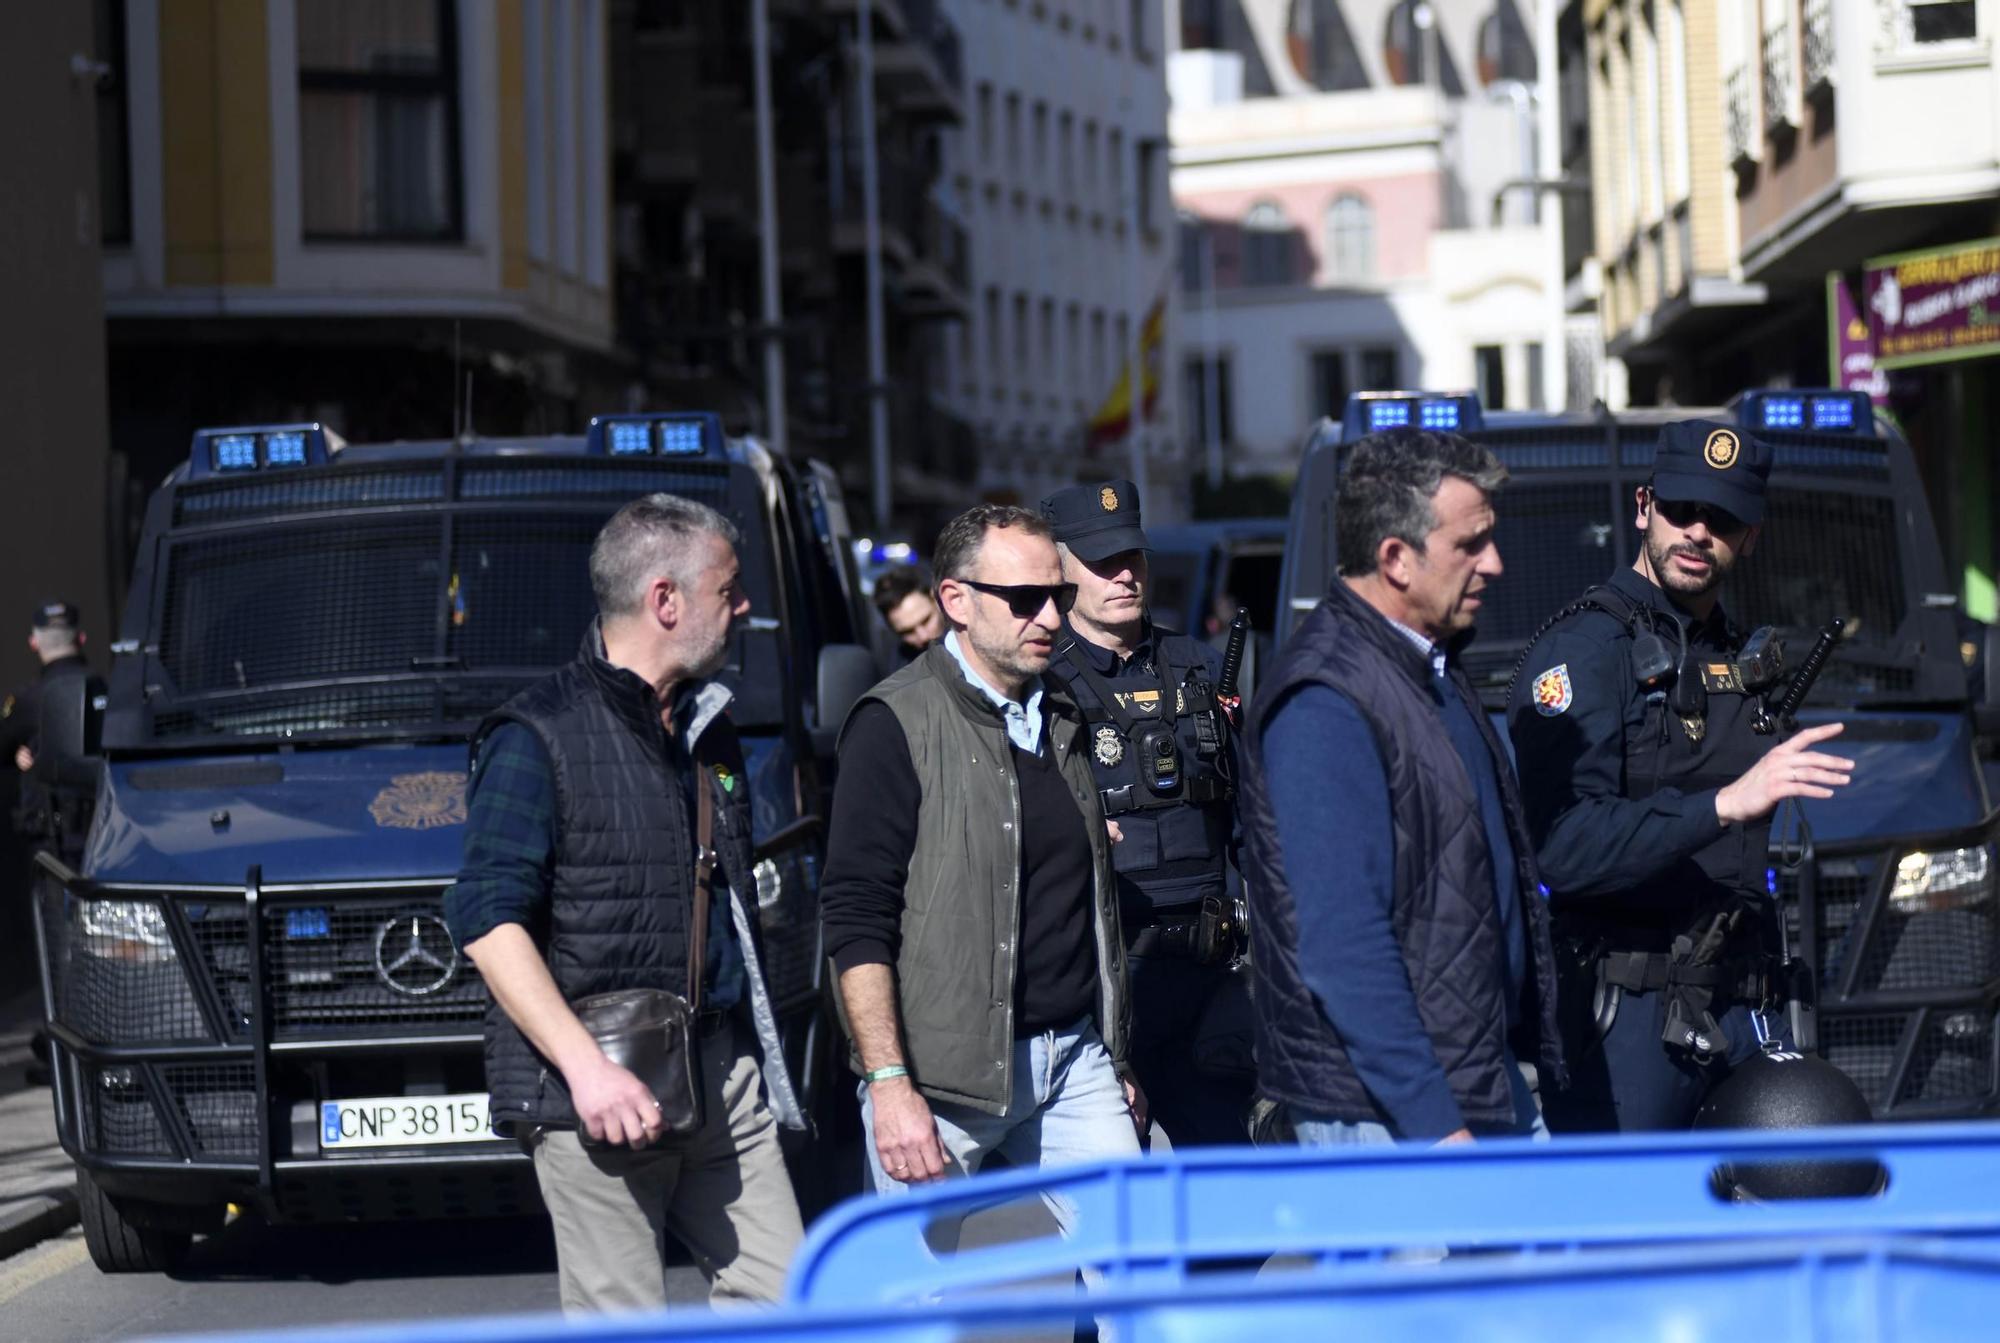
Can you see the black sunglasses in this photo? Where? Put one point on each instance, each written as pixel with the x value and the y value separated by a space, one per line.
pixel 1683 514
pixel 1026 600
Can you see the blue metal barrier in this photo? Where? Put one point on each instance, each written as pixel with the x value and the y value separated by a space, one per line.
pixel 1615 1239
pixel 1146 1222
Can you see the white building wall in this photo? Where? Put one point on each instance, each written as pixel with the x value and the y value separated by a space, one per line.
pixel 1447 280
pixel 1064 254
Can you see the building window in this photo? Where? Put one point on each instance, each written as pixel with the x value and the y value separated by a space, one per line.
pixel 1193 262
pixel 1014 134
pixel 1142 49
pixel 1073 347
pixel 114 140
pixel 1114 167
pixel 1489 363
pixel 986 125
pixel 1350 240
pixel 1321 48
pixel 1267 245
pixel 1047 353
pixel 1041 143
pixel 1412 44
pixel 1201 24
pixel 996 339
pixel 1506 49
pixel 1379 370
pixel 1943 20
pixel 1329 383
pixel 1066 154
pixel 1021 370
pixel 1090 161
pixel 1199 374
pixel 1147 187
pixel 378 120
pixel 1100 384
pixel 1536 401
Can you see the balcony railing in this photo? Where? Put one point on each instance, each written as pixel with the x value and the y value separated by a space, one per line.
pixel 930 26
pixel 912 222
pixel 1819 45
pixel 1778 46
pixel 1736 116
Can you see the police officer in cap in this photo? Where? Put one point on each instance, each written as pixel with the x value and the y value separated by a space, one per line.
pixel 48 777
pixel 1161 755
pixel 1650 789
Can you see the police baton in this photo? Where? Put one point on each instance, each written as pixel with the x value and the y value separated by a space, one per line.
pixel 1232 664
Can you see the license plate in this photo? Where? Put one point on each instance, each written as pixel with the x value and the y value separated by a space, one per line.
pixel 404 1121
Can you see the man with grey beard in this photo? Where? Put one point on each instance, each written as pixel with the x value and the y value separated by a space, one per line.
pixel 1649 792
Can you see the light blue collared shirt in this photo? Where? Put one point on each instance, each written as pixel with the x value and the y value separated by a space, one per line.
pixel 1024 721
pixel 1433 652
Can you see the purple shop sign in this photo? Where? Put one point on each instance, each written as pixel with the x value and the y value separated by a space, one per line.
pixel 1851 343
pixel 1936 305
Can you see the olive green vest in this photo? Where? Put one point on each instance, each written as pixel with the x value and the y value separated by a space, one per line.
pixel 961 901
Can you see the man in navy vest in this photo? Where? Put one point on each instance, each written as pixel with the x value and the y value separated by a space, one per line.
pixel 1404 970
pixel 1158 751
pixel 579 879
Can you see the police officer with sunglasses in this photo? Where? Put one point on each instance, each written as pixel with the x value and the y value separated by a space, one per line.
pixel 1161 756
pixel 1650 775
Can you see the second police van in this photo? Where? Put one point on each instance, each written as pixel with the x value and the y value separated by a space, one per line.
pixel 1888 888
pixel 252 993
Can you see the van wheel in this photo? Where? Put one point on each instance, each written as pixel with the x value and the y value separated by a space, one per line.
pixel 117 1244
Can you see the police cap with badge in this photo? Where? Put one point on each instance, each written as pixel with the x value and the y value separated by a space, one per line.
pixel 1146 707
pixel 57 615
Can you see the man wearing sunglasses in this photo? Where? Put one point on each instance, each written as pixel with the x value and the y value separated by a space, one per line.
pixel 969 903
pixel 1158 749
pixel 1649 796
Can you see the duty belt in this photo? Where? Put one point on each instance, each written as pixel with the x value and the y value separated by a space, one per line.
pixel 1744 981
pixel 1199 790
pixel 1207 932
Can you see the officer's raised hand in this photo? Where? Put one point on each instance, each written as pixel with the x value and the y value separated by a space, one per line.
pixel 1791 769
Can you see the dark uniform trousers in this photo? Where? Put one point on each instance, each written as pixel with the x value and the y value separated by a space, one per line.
pixel 1174 854
pixel 1620 794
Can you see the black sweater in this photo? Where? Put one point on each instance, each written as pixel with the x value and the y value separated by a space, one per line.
pixel 874 832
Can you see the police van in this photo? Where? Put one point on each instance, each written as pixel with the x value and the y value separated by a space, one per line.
pixel 1887 888
pixel 251 990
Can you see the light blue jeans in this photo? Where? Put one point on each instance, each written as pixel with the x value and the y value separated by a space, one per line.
pixel 1527 1123
pixel 1068 1107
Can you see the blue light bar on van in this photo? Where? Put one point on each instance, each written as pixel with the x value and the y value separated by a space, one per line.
pixel 681 434
pixel 272 447
pixel 1373 412
pixel 1824 411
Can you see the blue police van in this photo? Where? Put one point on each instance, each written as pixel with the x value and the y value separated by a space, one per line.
pixel 1888 888
pixel 252 994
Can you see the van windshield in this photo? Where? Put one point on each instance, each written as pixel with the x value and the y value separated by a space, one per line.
pixel 392 615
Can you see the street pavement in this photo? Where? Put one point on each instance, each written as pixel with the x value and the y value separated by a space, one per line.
pixel 255 1276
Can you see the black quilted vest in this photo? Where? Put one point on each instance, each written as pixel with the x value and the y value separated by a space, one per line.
pixel 1442 908
pixel 622 888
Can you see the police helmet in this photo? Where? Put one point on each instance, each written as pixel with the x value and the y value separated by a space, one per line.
pixel 1785 1090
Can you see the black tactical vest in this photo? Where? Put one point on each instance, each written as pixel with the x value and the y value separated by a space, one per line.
pixel 1664 750
pixel 1176 840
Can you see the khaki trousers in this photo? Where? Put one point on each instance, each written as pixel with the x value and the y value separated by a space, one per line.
pixel 724 1193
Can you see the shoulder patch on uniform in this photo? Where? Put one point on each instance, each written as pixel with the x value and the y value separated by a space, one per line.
pixel 1552 691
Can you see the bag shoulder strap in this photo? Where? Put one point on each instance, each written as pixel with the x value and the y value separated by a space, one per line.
pixel 704 879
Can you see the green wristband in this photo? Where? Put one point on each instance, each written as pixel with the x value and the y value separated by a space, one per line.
pixel 884 1074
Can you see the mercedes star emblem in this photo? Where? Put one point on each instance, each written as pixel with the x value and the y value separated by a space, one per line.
pixel 414 955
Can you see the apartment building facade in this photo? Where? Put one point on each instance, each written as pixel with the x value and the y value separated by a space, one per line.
pixel 1756 167
pixel 1360 209
pixel 1059 177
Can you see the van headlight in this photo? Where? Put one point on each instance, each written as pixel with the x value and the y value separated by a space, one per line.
pixel 131 931
pixel 1946 879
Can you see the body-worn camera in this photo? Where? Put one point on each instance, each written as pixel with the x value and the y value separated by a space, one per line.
pixel 1159 757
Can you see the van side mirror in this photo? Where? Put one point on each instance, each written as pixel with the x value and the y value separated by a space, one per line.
pixel 846 672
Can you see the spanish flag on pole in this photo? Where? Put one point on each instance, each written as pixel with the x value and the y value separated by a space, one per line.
pixel 1113 419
